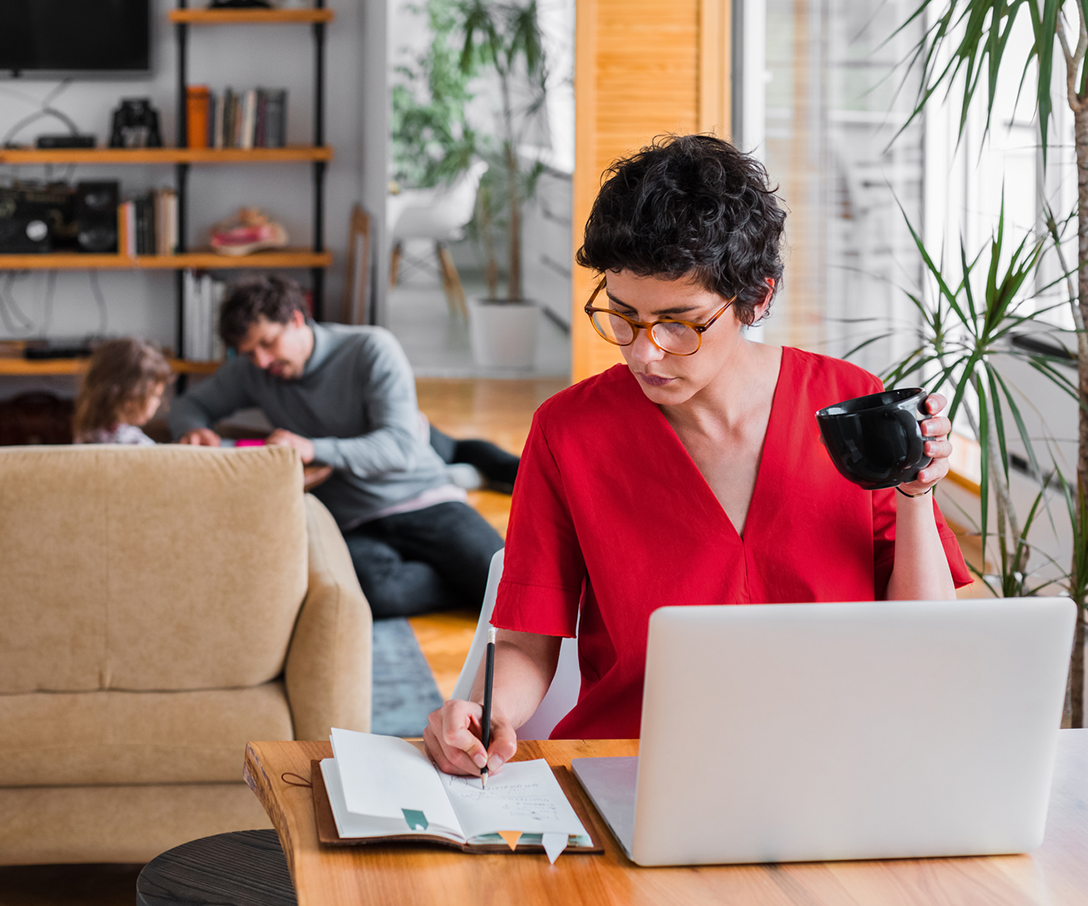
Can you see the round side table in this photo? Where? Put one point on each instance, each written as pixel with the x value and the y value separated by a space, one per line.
pixel 246 868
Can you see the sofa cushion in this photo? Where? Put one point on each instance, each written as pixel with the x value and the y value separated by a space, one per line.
pixel 90 738
pixel 153 568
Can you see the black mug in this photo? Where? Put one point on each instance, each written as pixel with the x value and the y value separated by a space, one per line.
pixel 876 441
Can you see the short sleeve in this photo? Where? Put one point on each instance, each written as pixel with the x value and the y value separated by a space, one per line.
pixel 884 544
pixel 544 571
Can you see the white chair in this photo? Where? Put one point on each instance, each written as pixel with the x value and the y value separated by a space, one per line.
pixel 439 214
pixel 563 692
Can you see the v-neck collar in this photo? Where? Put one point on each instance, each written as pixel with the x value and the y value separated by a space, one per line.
pixel 697 482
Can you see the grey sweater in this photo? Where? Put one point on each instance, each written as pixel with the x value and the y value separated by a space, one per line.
pixel 356 400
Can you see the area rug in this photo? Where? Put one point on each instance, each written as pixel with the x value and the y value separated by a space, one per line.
pixel 404 687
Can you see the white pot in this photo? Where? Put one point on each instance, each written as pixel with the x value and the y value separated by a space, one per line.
pixel 502 333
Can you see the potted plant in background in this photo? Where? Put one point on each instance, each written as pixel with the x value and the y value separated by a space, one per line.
pixel 966 42
pixel 431 140
pixel 502 43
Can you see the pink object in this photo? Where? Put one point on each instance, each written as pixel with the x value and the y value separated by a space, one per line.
pixel 249 443
pixel 249 231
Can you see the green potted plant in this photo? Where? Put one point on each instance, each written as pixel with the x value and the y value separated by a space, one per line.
pixel 431 140
pixel 965 44
pixel 502 44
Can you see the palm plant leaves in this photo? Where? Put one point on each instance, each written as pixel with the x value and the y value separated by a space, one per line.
pixel 963 327
pixel 975 35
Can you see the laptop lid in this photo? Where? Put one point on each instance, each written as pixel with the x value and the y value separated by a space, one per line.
pixel 890 729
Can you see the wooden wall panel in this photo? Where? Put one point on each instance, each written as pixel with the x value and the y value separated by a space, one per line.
pixel 642 68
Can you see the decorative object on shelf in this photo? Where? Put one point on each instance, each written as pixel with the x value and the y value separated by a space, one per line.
pixel 248 231
pixel 96 216
pixel 135 125
pixel 75 140
pixel 36 218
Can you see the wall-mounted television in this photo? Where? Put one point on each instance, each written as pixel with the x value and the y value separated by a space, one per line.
pixel 71 38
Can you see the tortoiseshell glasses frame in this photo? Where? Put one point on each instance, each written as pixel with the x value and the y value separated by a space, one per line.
pixel 683 331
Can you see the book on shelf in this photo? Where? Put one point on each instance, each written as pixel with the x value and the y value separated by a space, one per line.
pixel 197 110
pixel 148 224
pixel 384 789
pixel 126 229
pixel 254 118
pixel 276 118
pixel 202 295
pixel 219 127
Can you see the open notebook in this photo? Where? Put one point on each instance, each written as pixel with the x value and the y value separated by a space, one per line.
pixel 381 788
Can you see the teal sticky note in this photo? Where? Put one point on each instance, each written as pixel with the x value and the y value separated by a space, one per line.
pixel 416 819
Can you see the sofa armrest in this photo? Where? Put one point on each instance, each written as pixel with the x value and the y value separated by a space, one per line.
pixel 328 669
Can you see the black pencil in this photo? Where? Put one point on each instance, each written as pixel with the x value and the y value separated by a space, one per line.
pixel 489 679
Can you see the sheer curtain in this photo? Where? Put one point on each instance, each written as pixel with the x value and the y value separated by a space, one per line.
pixel 832 107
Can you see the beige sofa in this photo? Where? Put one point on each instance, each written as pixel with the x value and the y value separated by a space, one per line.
pixel 158 608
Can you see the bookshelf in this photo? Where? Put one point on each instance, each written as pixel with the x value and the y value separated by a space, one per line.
pixel 290 154
pixel 317 155
pixel 247 16
pixel 206 260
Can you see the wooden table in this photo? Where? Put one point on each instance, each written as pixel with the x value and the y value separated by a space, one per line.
pixel 1055 874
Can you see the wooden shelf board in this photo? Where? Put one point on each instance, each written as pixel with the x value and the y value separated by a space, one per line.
pixel 292 153
pixel 286 258
pixel 14 365
pixel 250 16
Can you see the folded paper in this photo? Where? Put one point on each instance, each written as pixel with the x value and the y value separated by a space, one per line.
pixel 511 838
pixel 415 818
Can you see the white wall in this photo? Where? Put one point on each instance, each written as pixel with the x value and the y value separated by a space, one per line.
pixel 239 56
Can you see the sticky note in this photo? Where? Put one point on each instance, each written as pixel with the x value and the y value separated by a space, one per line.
pixel 511 837
pixel 553 844
pixel 416 819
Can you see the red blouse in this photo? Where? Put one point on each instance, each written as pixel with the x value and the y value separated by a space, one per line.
pixel 612 517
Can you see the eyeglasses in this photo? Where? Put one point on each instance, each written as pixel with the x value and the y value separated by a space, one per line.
pixel 670 335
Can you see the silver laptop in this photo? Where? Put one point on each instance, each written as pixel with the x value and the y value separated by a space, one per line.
pixel 796 732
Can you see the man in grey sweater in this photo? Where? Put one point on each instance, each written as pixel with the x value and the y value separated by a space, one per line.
pixel 345 396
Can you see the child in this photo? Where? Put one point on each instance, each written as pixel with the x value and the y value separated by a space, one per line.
pixel 122 391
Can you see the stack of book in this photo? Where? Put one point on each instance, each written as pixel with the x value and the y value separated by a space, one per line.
pixel 148 224
pixel 256 118
pixel 202 294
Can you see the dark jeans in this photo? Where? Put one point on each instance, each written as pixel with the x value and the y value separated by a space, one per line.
pixel 430 559
pixel 494 463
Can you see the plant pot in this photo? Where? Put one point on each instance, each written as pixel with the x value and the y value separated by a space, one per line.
pixel 503 332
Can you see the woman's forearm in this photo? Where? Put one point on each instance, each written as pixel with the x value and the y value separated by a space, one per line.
pixel 524 666
pixel 921 571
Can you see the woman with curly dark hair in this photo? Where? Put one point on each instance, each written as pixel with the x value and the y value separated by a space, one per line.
pixel 691 474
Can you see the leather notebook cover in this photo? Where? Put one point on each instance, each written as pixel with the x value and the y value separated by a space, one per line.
pixel 327 833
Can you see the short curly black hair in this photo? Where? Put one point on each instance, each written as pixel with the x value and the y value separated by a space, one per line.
pixel 271 297
pixel 690 206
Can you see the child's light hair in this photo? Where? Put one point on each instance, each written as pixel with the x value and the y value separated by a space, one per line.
pixel 123 375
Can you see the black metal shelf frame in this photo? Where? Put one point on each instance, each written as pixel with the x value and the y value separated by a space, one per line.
pixel 317 274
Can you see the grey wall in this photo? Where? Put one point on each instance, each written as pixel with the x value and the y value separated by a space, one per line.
pixel 239 56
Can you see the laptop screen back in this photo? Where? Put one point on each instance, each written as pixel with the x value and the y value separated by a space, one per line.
pixel 842 731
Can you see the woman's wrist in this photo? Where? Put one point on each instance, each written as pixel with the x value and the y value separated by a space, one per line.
pixel 928 490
